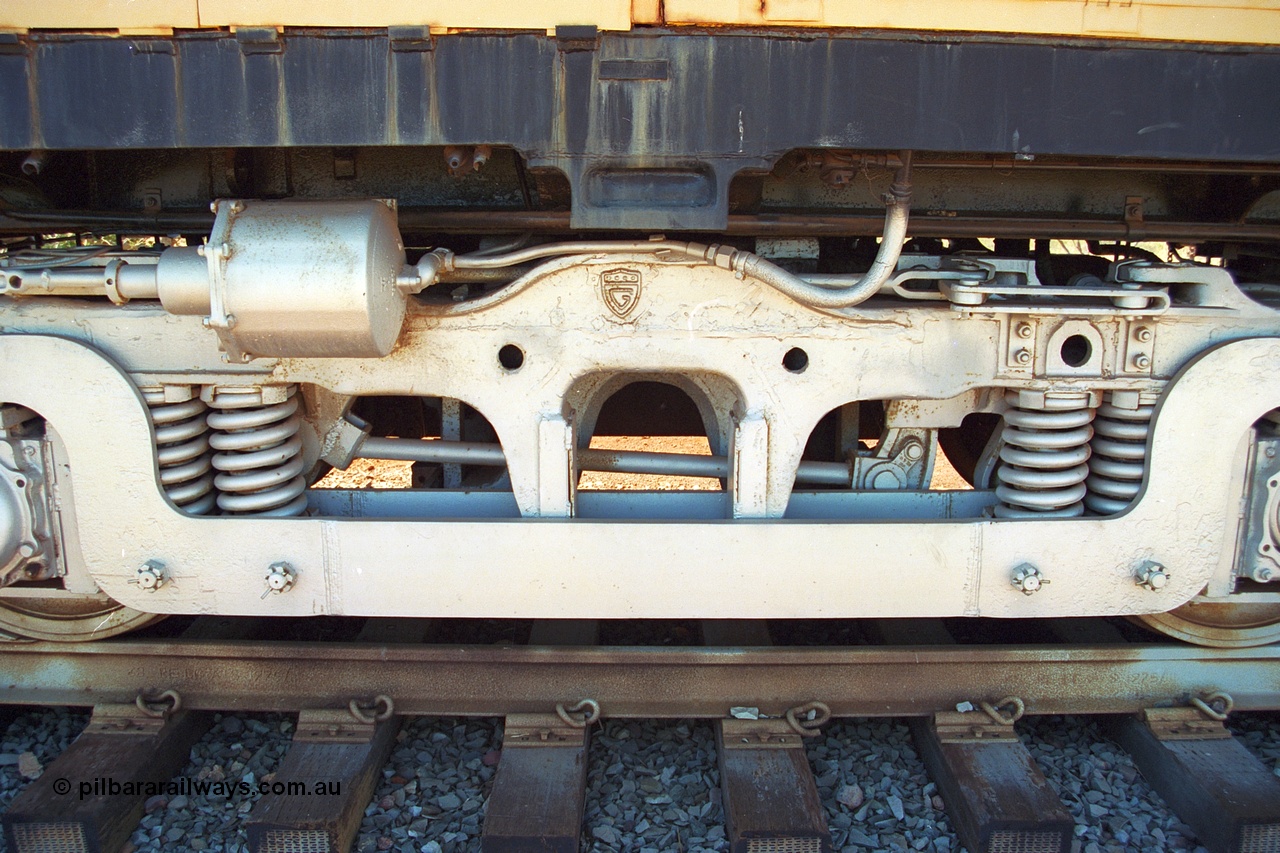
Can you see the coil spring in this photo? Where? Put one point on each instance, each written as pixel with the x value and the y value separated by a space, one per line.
pixel 260 456
pixel 1119 457
pixel 1042 470
pixel 182 451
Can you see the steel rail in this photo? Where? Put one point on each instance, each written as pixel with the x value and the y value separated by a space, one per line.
pixel 634 681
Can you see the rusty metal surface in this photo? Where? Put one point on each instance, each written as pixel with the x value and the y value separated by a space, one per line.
pixel 635 681
pixel 639 152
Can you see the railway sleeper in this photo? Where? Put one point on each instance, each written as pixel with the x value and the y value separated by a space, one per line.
pixel 329 748
pixel 138 743
pixel 1225 794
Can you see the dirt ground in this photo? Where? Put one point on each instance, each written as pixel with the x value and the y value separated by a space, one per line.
pixel 376 474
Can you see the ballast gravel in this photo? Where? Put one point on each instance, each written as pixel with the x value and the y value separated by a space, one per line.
pixel 653 786
pixel 1114 808
pixel 236 749
pixel 1260 733
pixel 29 743
pixel 875 789
pixel 433 790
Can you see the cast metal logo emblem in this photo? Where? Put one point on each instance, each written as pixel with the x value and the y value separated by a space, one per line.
pixel 620 290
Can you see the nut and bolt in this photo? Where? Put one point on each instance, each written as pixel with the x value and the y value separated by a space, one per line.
pixel 1151 575
pixel 1142 361
pixel 1264 574
pixel 1022 356
pixel 1143 335
pixel 1025 330
pixel 27 550
pixel 1027 578
pixel 280 578
pixel 151 575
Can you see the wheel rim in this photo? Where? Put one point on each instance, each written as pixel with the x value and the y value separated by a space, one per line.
pixel 1223 626
pixel 70 620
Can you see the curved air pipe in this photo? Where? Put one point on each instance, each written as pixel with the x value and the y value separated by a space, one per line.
pixel 834 292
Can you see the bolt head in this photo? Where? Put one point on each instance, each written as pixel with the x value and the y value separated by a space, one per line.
pixel 1143 335
pixel 151 575
pixel 1027 578
pixel 1022 356
pixel 1265 574
pixel 1142 361
pixel 1152 576
pixel 280 577
pixel 1025 330
pixel 26 549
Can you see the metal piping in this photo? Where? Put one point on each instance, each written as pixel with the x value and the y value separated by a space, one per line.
pixel 616 461
pixel 34 163
pixel 447 452
pixel 833 293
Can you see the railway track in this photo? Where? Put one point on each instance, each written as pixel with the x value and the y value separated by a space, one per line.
pixel 706 737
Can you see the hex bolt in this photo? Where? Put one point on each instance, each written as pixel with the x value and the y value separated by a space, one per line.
pixel 151 575
pixel 1264 574
pixel 1025 330
pixel 280 578
pixel 1142 361
pixel 1027 578
pixel 26 549
pixel 1151 575
pixel 1142 335
pixel 1022 356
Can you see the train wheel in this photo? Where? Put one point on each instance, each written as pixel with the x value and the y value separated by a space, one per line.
pixel 1224 626
pixel 70 620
